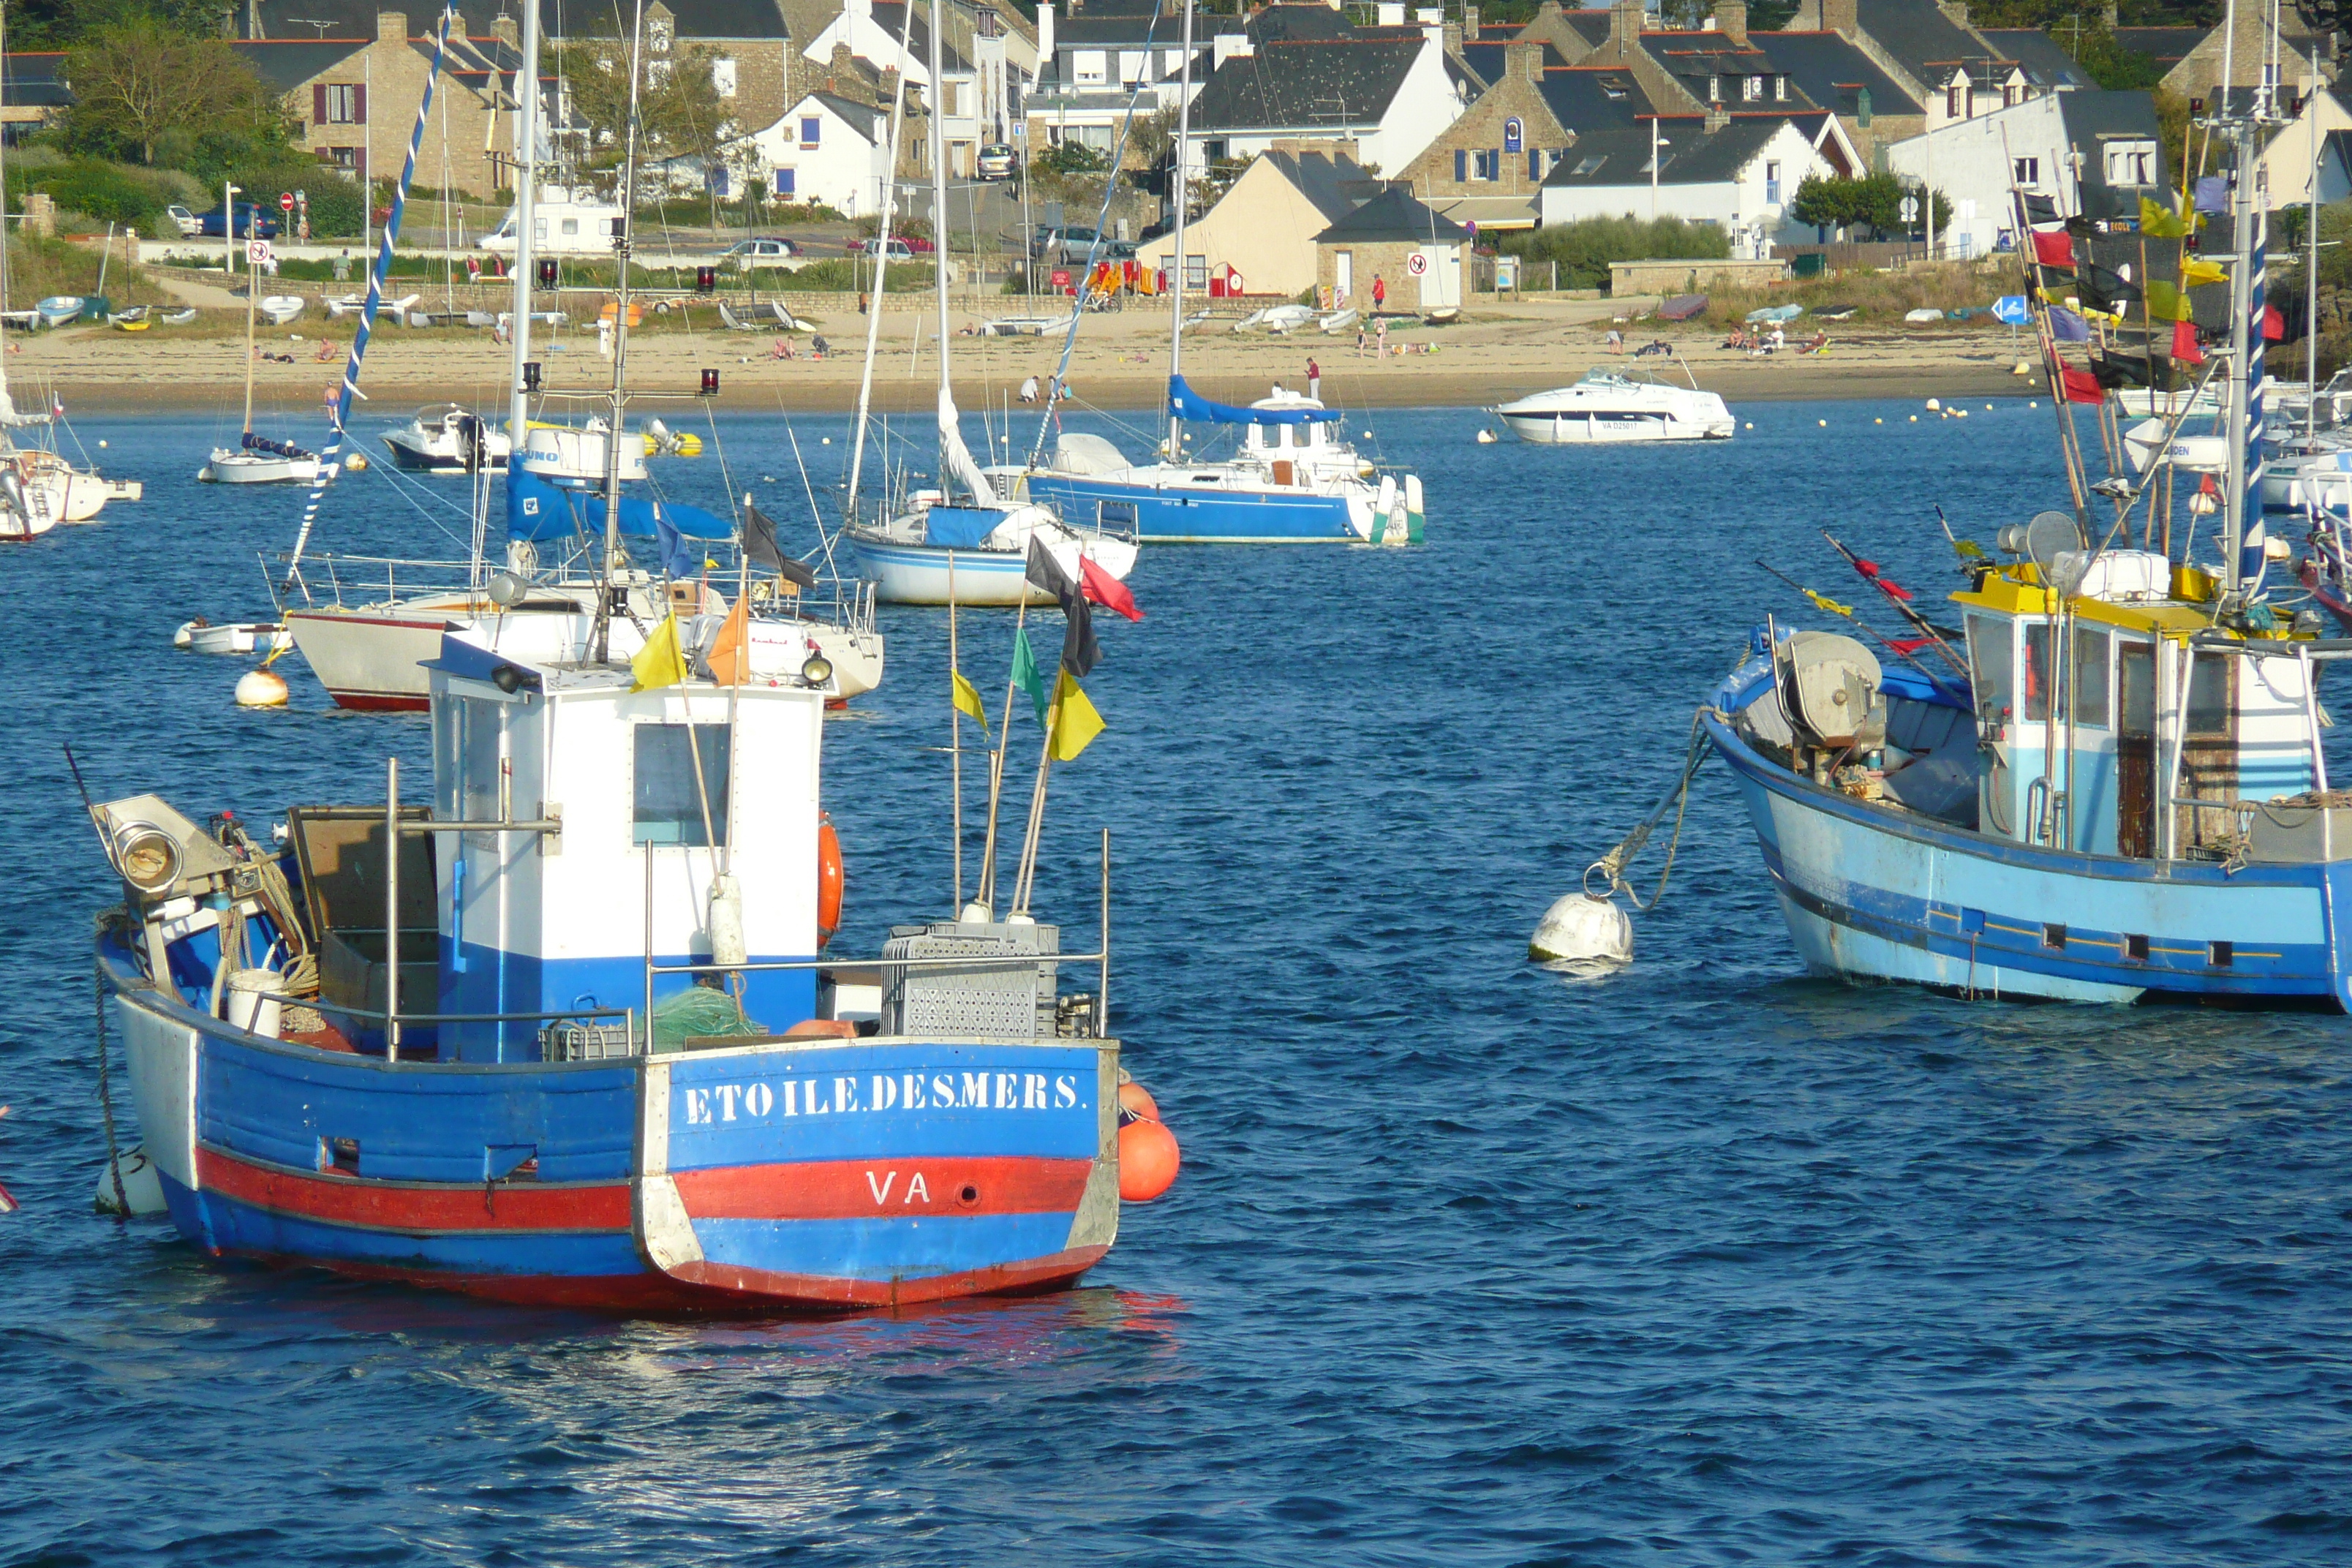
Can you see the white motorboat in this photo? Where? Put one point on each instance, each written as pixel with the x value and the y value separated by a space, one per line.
pixel 201 635
pixel 278 309
pixel 2141 402
pixel 1611 406
pixel 2147 444
pixel 447 439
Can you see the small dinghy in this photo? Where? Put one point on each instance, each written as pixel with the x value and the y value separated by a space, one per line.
pixel 201 635
pixel 279 309
pixel 1772 315
pixel 58 308
pixel 1337 321
pixel 1444 317
pixel 181 317
pixel 1682 308
pixel 447 440
pixel 1922 316
pixel 133 319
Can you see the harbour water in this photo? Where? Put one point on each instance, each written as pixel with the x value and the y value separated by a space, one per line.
pixel 1471 1262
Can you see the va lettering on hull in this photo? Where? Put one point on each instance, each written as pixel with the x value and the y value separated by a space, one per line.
pixel 851 1094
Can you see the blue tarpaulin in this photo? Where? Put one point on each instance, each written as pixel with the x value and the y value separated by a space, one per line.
pixel 1186 404
pixel 961 527
pixel 539 510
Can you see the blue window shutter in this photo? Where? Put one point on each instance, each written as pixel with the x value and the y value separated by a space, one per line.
pixel 1535 163
pixel 1461 164
pixel 785 183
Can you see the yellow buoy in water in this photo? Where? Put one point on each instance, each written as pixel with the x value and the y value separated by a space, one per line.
pixel 1915 419
pixel 1935 406
pixel 261 688
pixel 1878 422
pixel 1823 423
pixel 357 462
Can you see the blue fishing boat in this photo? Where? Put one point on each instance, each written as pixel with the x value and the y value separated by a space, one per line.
pixel 2110 786
pixel 573 1040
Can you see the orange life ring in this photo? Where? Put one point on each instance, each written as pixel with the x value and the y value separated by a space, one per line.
pixel 829 879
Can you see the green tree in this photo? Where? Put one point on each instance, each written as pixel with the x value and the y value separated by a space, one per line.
pixel 680 112
pixel 1585 249
pixel 1873 202
pixel 140 83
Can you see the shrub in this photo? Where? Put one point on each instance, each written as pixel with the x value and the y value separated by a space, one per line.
pixel 100 191
pixel 1585 249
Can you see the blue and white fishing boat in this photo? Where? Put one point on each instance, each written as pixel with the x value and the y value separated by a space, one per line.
pixel 2119 792
pixel 573 1040
pixel 927 551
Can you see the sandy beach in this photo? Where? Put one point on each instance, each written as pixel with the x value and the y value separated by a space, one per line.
pixel 1497 352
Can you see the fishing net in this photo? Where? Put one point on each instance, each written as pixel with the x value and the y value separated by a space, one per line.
pixel 698 1013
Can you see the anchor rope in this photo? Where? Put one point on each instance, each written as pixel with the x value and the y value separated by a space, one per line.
pixel 106 1096
pixel 1612 865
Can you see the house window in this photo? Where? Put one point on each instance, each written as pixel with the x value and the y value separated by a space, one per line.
pixel 1535 162
pixel 676 801
pixel 2131 163
pixel 2009 96
pixel 344 157
pixel 1589 165
pixel 1131 67
pixel 1780 89
pixel 658 73
pixel 716 178
pixel 722 77
pixel 1751 91
pixel 786 186
pixel 2025 171
pixel 1489 164
pixel 1714 90
pixel 1771 185
pixel 1196 273
pixel 1956 103
pixel 340 105
pixel 812 126
pixel 1094 66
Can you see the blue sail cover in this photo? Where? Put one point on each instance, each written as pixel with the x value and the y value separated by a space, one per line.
pixel 539 511
pixel 1186 404
pixel 961 527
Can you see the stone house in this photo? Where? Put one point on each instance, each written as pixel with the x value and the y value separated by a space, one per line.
pixel 1414 253
pixel 1265 226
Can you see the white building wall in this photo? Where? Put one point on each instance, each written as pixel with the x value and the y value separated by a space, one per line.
pixel 1751 206
pixel 1972 163
pixel 843 170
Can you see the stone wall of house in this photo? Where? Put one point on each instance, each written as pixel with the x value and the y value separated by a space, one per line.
pixel 1384 260
pixel 1480 129
pixel 394 76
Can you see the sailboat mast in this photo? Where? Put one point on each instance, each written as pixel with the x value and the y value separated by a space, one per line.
pixel 526 198
pixel 938 144
pixel 602 646
pixel 252 287
pixel 2244 498
pixel 1176 258
pixel 881 266
pixel 2310 278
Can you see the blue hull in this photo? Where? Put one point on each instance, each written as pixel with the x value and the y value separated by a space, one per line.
pixel 1200 515
pixel 1874 893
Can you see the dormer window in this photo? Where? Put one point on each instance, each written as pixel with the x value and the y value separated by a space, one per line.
pixel 1780 89
pixel 1612 86
pixel 1956 102
pixel 1752 90
pixel 1714 90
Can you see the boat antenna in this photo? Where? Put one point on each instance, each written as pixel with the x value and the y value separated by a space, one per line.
pixel 600 645
pixel 884 224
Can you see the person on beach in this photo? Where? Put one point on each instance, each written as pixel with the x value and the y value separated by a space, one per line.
pixel 1359 343
pixel 1314 378
pixel 1380 293
pixel 1380 329
pixel 1029 389
pixel 1616 342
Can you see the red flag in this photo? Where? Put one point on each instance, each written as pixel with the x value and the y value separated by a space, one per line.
pixel 1106 590
pixel 1908 645
pixel 1886 585
pixel 2080 386
pixel 2274 324
pixel 2184 344
pixel 2054 247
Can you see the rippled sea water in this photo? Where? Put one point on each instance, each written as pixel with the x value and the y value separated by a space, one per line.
pixel 1470 1262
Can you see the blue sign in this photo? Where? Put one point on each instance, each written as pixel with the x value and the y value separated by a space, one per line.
pixel 1514 135
pixel 2010 308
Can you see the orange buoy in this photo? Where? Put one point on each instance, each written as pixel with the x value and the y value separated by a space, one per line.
pixel 1148 1161
pixel 1136 1100
pixel 830 879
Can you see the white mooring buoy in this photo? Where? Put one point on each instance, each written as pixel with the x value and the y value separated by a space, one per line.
pixel 261 688
pixel 1580 928
pixel 140 1187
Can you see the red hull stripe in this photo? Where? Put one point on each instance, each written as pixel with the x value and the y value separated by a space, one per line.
pixel 913 1187
pixel 380 1205
pixel 815 1292
pixel 378 702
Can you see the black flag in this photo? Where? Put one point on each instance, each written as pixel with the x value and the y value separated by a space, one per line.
pixel 760 544
pixel 1078 649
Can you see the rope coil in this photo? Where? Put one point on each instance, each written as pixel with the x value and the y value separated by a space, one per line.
pixel 1612 865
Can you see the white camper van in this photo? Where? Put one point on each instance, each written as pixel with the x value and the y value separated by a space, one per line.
pixel 563 223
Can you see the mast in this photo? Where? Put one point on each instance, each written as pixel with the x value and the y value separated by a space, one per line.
pixel 526 198
pixel 1176 258
pixel 881 264
pixel 252 287
pixel 601 644
pixel 2242 499
pixel 938 144
pixel 2310 280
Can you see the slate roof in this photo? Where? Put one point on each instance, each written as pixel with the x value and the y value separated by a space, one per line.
pixel 35 81
pixel 1295 85
pixel 1922 39
pixel 1393 216
pixel 890 16
pixel 1089 30
pixel 864 118
pixel 2045 60
pixel 1299 22
pixel 1622 157
pixel 1594 98
pixel 2167 46
pixel 1489 60
pixel 286 66
pixel 1832 72
pixel 557 18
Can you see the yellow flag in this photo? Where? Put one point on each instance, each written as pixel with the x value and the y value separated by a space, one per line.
pixel 2196 269
pixel 2157 222
pixel 1825 602
pixel 967 697
pixel 730 653
pixel 1076 722
pixel 660 662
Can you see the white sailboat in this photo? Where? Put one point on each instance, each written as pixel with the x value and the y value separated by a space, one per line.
pixel 256 459
pixel 934 552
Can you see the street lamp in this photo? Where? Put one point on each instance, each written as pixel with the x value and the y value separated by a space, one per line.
pixel 1657 141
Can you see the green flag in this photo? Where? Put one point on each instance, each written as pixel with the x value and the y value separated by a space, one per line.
pixel 1024 672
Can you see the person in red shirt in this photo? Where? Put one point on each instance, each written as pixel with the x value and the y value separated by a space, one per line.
pixel 1314 378
pixel 1379 292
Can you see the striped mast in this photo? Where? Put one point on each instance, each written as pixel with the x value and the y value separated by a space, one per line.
pixel 2241 534
pixel 327 464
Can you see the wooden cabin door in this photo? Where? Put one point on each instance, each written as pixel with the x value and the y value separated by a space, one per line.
pixel 2209 753
pixel 2135 750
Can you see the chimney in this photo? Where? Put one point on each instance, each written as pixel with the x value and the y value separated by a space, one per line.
pixel 1838 17
pixel 1717 117
pixel 1449 38
pixel 1525 59
pixel 502 28
pixel 1389 14
pixel 1044 36
pixel 1226 47
pixel 1625 29
pixel 1955 11
pixel 1731 21
pixel 392 27
pixel 1470 22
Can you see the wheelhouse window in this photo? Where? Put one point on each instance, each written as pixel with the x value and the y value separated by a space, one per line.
pixel 1989 667
pixel 675 803
pixel 2090 676
pixel 2209 696
pixel 2037 672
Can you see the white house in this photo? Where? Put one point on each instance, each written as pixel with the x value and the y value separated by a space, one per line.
pixel 2309 145
pixel 973 106
pixel 2088 152
pixel 827 149
pixel 1741 173
pixel 1387 91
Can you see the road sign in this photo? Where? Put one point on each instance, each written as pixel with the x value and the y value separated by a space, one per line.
pixel 1910 209
pixel 258 251
pixel 286 201
pixel 2010 308
pixel 1417 263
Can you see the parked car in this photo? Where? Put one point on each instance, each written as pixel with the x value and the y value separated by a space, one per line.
pixel 1066 245
pixel 252 221
pixel 759 251
pixel 189 223
pixel 998 162
pixel 901 249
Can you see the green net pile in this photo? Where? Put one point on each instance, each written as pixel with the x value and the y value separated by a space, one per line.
pixel 698 1013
